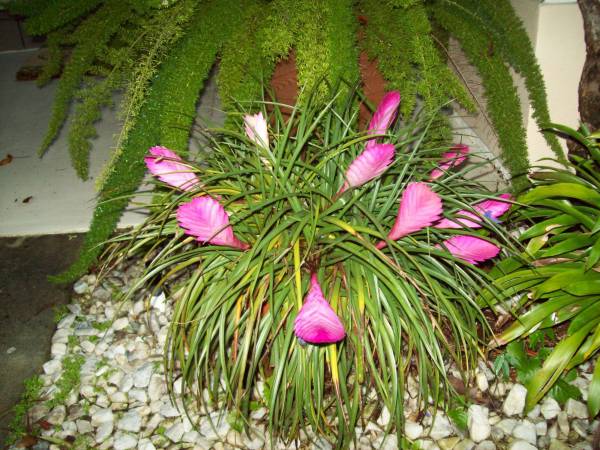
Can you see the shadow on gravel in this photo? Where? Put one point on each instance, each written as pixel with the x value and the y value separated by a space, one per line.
pixel 27 302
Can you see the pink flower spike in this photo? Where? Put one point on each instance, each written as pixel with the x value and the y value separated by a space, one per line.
pixel 256 129
pixel 206 219
pixel 419 208
pixel 492 209
pixel 385 113
pixel 450 159
pixel 169 168
pixel 371 163
pixel 472 249
pixel 317 322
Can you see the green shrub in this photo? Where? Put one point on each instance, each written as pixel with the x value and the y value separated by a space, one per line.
pixel 556 279
pixel 408 309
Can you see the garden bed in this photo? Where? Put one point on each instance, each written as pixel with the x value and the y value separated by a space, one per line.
pixel 104 387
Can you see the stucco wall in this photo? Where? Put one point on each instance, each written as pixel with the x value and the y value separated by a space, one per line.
pixel 557 34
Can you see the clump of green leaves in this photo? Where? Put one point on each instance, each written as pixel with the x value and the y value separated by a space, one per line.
pixel 556 279
pixel 19 424
pixel 68 380
pixel 526 358
pixel 408 309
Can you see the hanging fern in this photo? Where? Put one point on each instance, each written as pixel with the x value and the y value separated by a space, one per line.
pixel 57 13
pixel 161 120
pixel 400 39
pixel 497 16
pixel 91 35
pixel 54 63
pixel 82 128
pixel 153 39
pixel 245 67
pixel 503 104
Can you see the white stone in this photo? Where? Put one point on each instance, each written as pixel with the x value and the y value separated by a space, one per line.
pixel 507 425
pixel 156 387
pixel 515 401
pixel 131 421
pixel 57 415
pixel 478 423
pixel 550 408
pixel 449 443
pixel 563 423
pixel 159 302
pixel 557 445
pixel 102 416
pixel 138 395
pixel 482 382
pixel 580 426
pixel 126 383
pixel 465 444
pixel 84 426
pixel 413 430
pixel 498 389
pixel 576 409
pixel 521 445
pixel 214 426
pixel 535 412
pixel 80 287
pixel 141 377
pixel 52 366
pixel 169 411
pixel 88 346
pixel 124 441
pixel 525 431
pixel 66 321
pixel 118 397
pixel 146 444
pixel 384 418
pixel 486 445
pixel 440 428
pixel 541 428
pixel 104 431
pixel 120 324
pixel 58 349
pixel 175 432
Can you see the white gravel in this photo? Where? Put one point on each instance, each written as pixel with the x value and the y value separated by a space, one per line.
pixel 122 400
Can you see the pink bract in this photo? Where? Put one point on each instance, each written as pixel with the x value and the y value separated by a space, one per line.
pixel 450 159
pixel 385 113
pixel 169 168
pixel 256 129
pixel 371 163
pixel 206 219
pixel 492 209
pixel 419 208
pixel 471 249
pixel 317 322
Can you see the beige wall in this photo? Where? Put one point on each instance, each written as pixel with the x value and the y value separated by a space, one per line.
pixel 560 49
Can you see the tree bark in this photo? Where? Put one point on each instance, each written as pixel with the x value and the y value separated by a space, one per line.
pixel 589 84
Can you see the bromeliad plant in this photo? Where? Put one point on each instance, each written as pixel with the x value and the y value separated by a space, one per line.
pixel 303 273
pixel 557 278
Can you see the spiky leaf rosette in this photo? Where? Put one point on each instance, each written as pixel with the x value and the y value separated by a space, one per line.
pixel 406 309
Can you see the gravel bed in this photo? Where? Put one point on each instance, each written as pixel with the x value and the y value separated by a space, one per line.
pixel 121 400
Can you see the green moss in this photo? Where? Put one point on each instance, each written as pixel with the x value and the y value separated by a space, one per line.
pixel 69 380
pixel 31 394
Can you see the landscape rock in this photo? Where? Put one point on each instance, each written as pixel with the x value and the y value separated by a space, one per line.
pixel 514 404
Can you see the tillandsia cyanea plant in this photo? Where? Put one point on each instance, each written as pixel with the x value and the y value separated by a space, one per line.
pixel 321 263
pixel 556 280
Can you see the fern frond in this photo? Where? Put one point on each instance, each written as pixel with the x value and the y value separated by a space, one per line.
pixel 57 13
pixel 97 30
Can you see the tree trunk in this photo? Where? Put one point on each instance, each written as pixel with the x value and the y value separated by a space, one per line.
pixel 589 85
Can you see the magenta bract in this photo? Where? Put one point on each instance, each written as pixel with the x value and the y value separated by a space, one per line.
pixel 206 219
pixel 317 322
pixel 169 168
